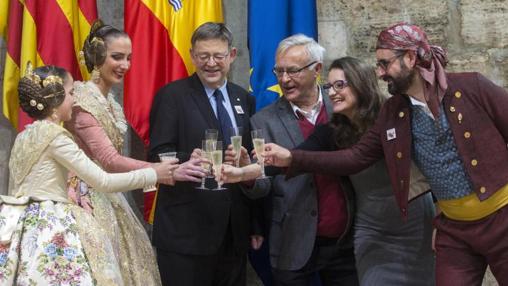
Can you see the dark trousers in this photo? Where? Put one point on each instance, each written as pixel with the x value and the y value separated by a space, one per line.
pixel 226 268
pixel 465 248
pixel 334 265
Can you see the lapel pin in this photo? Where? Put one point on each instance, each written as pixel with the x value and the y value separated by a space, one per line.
pixel 390 134
pixel 238 109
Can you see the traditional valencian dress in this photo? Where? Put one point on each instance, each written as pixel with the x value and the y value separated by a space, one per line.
pixel 45 239
pixel 98 125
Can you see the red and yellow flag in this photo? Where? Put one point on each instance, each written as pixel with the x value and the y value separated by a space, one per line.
pixel 49 32
pixel 160 31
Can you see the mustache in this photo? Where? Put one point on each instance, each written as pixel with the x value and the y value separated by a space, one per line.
pixel 387 78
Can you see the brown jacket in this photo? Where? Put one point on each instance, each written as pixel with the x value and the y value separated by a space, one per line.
pixel 477 110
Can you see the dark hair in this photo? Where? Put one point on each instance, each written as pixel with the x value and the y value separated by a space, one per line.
pixel 96 43
pixel 211 31
pixel 362 80
pixel 37 99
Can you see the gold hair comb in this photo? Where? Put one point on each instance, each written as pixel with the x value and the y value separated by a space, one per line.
pixel 29 73
pixel 52 79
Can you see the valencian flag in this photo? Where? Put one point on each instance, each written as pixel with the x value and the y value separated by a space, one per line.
pixel 270 22
pixel 49 32
pixel 161 31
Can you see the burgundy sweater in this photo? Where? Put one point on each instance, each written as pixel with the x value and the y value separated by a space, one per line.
pixel 332 209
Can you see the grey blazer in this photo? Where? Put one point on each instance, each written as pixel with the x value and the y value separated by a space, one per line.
pixel 294 205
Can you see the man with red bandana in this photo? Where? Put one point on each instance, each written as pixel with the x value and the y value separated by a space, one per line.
pixel 454 126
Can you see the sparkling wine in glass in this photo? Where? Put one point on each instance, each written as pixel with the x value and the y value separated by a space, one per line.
pixel 258 140
pixel 206 153
pixel 217 165
pixel 236 141
pixel 211 136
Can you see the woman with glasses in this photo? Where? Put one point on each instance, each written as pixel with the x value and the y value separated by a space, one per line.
pixel 388 250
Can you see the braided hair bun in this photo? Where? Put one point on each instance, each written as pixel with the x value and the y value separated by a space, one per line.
pixel 95 46
pixel 42 91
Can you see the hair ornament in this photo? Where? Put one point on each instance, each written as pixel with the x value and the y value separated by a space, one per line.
pixel 97 41
pixel 30 74
pixel 81 56
pixel 40 106
pixel 52 79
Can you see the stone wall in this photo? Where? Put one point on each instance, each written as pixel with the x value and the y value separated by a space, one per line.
pixel 473 32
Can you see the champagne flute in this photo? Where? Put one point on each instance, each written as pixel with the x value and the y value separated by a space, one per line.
pixel 217 165
pixel 206 153
pixel 258 140
pixel 211 136
pixel 236 141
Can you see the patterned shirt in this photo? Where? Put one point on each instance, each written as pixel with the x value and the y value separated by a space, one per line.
pixel 435 153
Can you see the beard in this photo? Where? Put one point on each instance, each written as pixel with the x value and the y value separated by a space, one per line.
pixel 400 84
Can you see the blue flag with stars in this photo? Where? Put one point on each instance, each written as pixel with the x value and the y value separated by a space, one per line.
pixel 271 21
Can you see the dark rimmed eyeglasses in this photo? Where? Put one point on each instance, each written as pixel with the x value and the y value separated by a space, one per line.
pixel 291 72
pixel 385 64
pixel 337 85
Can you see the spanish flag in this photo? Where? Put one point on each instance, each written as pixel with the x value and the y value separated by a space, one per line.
pixel 49 32
pixel 161 32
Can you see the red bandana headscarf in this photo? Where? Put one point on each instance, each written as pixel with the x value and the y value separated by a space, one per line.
pixel 430 62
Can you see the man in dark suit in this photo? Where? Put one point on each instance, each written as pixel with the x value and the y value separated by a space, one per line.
pixel 310 215
pixel 201 236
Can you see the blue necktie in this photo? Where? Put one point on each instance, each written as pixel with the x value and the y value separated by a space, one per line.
pixel 223 117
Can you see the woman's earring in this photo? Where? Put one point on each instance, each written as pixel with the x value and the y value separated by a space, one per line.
pixel 54 116
pixel 96 74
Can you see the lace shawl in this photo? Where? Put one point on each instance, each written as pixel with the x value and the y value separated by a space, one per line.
pixel 104 109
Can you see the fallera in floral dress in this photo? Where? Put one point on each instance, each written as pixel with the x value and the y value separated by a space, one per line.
pixel 45 239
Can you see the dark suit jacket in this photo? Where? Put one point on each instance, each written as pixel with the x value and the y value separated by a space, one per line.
pixel 188 220
pixel 293 203
pixel 476 111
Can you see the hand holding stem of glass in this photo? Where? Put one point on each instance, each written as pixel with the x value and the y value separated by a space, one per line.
pixel 259 146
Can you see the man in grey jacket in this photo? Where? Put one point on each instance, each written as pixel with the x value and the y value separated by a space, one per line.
pixel 310 215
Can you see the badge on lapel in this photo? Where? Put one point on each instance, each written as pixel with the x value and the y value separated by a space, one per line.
pixel 390 134
pixel 239 109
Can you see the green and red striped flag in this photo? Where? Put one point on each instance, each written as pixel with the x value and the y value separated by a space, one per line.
pixel 49 32
pixel 160 31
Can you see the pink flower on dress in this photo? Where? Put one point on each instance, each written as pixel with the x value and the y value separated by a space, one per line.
pixel 59 240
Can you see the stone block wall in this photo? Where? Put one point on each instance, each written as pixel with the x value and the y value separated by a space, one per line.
pixel 473 32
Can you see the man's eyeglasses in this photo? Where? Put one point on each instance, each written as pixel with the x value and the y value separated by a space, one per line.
pixel 292 72
pixel 385 64
pixel 217 58
pixel 337 85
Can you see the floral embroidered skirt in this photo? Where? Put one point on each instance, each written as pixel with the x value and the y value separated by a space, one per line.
pixel 52 243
